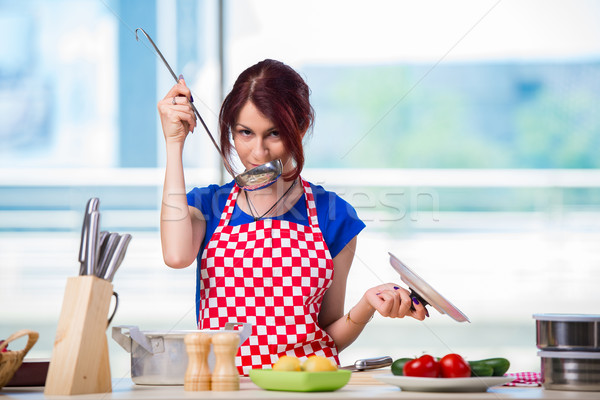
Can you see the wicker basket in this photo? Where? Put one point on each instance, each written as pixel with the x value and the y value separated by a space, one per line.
pixel 10 361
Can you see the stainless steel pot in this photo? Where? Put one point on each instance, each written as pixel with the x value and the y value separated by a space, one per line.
pixel 568 332
pixel 160 357
pixel 570 370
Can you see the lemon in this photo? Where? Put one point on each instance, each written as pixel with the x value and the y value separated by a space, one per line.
pixel 287 363
pixel 318 363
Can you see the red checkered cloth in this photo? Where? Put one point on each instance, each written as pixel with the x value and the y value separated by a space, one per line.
pixel 525 379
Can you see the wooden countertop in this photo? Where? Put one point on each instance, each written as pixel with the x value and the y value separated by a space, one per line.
pixel 360 387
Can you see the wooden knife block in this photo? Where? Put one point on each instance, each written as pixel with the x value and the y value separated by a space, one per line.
pixel 80 363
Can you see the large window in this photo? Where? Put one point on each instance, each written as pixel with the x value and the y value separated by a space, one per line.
pixel 465 133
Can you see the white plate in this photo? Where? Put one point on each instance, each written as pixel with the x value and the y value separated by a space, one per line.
pixel 423 289
pixel 414 384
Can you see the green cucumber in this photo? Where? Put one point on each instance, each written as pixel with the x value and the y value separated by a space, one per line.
pixel 398 366
pixel 498 364
pixel 481 369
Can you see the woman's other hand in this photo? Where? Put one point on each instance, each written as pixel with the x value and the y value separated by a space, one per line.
pixel 176 114
pixel 393 301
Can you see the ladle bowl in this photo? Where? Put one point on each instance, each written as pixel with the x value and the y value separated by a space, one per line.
pixel 261 176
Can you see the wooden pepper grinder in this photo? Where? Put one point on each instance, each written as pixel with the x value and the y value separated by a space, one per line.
pixel 225 375
pixel 197 374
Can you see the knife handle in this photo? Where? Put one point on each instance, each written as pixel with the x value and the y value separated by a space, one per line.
pixel 92 205
pixel 117 257
pixel 372 363
pixel 105 253
pixel 92 242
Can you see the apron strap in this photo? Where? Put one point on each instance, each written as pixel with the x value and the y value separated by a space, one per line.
pixel 229 206
pixel 311 207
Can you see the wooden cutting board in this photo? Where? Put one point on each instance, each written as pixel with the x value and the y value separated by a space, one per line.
pixel 367 377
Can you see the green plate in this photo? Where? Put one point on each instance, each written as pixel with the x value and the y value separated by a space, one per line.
pixel 298 381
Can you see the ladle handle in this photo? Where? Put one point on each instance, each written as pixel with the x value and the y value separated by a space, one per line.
pixel 212 139
pixel 177 80
pixel 157 51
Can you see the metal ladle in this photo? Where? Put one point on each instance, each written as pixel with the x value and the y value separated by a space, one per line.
pixel 255 178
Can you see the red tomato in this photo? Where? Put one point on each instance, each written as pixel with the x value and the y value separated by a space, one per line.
pixel 454 366
pixel 425 367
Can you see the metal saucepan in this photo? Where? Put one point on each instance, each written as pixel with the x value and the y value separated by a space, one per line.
pixel 570 370
pixel 568 332
pixel 253 179
pixel 160 357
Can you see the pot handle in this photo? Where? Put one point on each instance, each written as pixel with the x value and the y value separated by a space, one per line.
pixel 134 334
pixel 244 332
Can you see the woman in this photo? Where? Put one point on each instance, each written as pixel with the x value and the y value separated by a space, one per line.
pixel 277 257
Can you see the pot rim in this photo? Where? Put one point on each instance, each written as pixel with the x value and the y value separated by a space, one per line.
pixel 590 355
pixel 181 333
pixel 567 317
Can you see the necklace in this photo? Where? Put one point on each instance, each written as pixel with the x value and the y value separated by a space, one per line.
pixel 253 210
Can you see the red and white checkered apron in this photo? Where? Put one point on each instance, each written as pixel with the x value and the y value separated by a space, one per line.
pixel 272 274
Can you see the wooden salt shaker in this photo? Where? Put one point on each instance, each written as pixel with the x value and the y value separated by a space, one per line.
pixel 197 374
pixel 225 375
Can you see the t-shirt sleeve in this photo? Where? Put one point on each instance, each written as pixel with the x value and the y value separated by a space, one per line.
pixel 203 199
pixel 210 200
pixel 338 220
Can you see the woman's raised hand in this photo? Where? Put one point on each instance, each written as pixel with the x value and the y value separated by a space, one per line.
pixel 176 114
pixel 393 301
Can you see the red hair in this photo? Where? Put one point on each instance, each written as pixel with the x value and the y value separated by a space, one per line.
pixel 281 95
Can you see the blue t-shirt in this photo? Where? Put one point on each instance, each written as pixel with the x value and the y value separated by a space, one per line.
pixel 338 220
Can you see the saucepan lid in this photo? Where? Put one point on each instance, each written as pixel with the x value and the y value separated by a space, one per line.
pixel 426 292
pixel 568 317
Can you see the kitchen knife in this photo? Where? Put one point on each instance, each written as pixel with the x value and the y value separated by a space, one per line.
pixel 91 253
pixel 92 205
pixel 369 363
pixel 117 257
pixel 105 253
pixel 102 239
